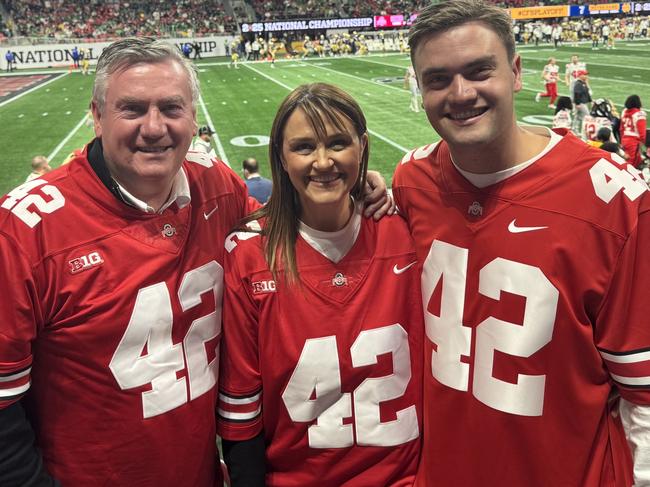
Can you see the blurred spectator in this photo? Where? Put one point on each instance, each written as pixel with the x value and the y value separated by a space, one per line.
pixel 563 109
pixel 603 135
pixel 258 187
pixel 40 166
pixel 203 142
pixel 613 147
pixel 10 59
pixel 196 48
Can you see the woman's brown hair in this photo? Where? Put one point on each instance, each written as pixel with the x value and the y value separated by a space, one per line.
pixel 322 103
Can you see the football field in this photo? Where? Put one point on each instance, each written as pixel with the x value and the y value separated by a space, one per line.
pixel 46 114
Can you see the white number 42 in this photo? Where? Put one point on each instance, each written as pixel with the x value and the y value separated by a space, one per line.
pixel 20 202
pixel 151 325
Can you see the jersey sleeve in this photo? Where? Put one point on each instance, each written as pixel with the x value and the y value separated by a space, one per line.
pixel 239 413
pixel 19 311
pixel 641 126
pixel 622 333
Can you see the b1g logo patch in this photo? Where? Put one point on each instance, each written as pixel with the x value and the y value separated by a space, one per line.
pixel 260 287
pixel 85 262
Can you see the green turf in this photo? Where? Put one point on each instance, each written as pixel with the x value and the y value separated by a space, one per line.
pixel 241 103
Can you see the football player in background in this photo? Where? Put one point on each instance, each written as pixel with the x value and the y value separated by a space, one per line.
pixel 633 129
pixel 571 72
pixel 550 75
pixel 600 116
pixel 321 371
pixel 110 317
pixel 534 281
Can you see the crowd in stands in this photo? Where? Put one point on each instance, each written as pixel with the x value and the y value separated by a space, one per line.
pixel 278 9
pixel 87 19
pixel 65 19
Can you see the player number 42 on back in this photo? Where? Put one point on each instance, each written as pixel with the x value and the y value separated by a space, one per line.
pixel 22 203
pixel 608 180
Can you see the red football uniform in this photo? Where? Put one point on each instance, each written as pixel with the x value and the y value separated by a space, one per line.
pixel 633 132
pixel 591 125
pixel 536 316
pixel 115 323
pixel 330 369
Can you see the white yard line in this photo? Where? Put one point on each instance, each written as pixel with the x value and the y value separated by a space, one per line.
pixel 377 83
pixel 366 60
pixel 372 132
pixel 67 138
pixel 217 140
pixel 30 90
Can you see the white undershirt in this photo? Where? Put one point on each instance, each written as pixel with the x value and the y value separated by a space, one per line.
pixel 485 180
pixel 180 194
pixel 334 245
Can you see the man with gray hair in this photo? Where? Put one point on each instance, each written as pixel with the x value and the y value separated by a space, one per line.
pixel 109 320
pixel 534 277
pixel 110 312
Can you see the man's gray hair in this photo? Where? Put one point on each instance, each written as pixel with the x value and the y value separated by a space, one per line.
pixel 128 52
pixel 440 17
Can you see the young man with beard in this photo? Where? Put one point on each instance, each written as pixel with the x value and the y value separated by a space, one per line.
pixel 533 278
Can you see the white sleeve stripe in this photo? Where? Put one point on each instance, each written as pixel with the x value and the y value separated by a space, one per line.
pixel 240 416
pixel 9 378
pixel 632 381
pixel 628 358
pixel 14 391
pixel 239 401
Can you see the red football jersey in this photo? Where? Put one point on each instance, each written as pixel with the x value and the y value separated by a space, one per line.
pixel 536 316
pixel 331 370
pixel 115 320
pixel 591 126
pixel 633 124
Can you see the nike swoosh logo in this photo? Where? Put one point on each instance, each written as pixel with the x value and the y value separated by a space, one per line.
pixel 513 228
pixel 398 271
pixel 208 215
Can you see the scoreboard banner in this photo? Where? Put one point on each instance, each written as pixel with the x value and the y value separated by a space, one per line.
pixel 638 7
pixel 390 21
pixel 603 9
pixel 609 8
pixel 60 55
pixel 311 24
pixel 529 13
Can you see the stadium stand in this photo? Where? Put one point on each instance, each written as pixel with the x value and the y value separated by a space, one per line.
pixel 85 19
pixel 66 19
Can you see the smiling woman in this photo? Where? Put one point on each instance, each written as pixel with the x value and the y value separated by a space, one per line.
pixel 311 284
